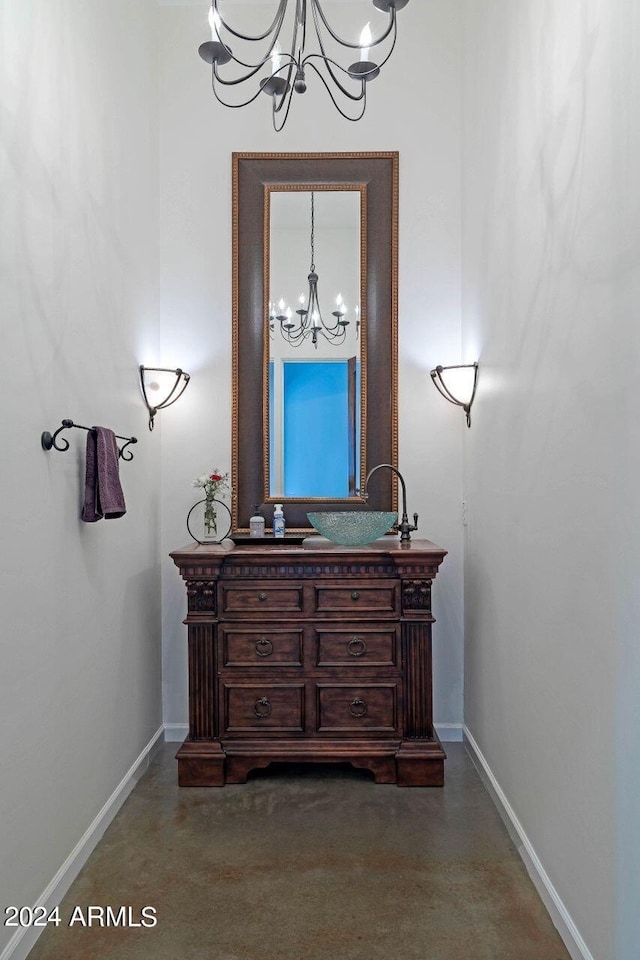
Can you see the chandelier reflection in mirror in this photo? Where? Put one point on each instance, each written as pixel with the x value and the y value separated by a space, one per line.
pixel 286 70
pixel 310 322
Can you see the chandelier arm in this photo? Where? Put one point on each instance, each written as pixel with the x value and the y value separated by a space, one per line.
pixel 287 93
pixel 288 90
pixel 295 337
pixel 237 80
pixel 280 13
pixel 363 97
pixel 254 67
pixel 329 63
pixel 335 329
pixel 335 338
pixel 273 32
pixel 233 106
pixel 315 5
pixel 331 334
pixel 294 61
pixel 391 49
pixel 276 110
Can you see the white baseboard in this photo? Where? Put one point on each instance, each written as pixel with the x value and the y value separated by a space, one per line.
pixel 174 733
pixel 449 732
pixel 559 914
pixel 24 939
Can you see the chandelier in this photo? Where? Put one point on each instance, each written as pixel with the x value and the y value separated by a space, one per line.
pixel 346 85
pixel 311 323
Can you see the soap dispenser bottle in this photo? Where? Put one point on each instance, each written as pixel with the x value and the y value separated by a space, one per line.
pixel 278 522
pixel 256 524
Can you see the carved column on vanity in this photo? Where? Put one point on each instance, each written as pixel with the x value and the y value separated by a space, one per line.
pixel 420 760
pixel 201 758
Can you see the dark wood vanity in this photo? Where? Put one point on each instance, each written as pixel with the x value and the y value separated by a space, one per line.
pixel 316 653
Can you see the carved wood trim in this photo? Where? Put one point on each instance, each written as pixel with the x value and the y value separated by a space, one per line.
pixel 416 645
pixel 416 595
pixel 302 569
pixel 201 596
pixel 202 682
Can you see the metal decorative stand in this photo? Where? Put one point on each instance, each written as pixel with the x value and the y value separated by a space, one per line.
pixel 218 539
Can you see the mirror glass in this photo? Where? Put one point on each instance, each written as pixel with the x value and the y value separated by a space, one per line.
pixel 315 355
pixel 309 420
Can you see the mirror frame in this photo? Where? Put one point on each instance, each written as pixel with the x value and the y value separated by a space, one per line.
pixel 254 175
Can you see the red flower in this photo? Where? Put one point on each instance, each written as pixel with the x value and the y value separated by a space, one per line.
pixel 215 476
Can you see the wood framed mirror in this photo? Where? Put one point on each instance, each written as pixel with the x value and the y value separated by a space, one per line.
pixel 347 195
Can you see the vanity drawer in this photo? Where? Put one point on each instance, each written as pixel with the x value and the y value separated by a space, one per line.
pixel 246 646
pixel 252 707
pixel 255 600
pixel 357 645
pixel 357 708
pixel 358 598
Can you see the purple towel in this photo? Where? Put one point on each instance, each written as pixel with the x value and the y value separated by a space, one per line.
pixel 103 496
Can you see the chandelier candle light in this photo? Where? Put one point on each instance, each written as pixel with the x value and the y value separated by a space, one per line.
pixel 287 70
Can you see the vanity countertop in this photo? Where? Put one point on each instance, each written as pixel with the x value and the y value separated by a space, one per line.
pixel 311 545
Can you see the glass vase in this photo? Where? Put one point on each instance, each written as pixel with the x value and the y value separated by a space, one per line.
pixel 210 530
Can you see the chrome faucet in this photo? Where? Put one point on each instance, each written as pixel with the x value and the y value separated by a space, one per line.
pixel 404 528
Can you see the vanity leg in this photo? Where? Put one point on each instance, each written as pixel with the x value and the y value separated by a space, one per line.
pixel 201 764
pixel 420 759
pixel 420 763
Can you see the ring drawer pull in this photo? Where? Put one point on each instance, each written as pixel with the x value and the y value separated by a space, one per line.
pixel 355 595
pixel 358 708
pixel 262 708
pixel 264 647
pixel 262 596
pixel 357 647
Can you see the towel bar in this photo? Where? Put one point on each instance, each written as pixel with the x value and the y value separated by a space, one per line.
pixel 48 440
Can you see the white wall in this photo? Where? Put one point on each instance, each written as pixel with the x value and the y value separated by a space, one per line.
pixel 551 96
pixel 551 276
pixel 413 108
pixel 80 677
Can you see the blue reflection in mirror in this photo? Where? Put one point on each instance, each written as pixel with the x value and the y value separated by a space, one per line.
pixel 320 429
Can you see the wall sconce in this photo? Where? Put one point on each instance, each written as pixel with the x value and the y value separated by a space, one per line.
pixel 463 380
pixel 173 388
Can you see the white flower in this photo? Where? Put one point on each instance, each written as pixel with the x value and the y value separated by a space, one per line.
pixel 213 484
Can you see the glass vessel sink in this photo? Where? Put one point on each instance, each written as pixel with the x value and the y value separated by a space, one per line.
pixel 350 528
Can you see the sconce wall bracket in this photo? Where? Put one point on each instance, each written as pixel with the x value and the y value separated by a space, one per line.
pixel 444 390
pixel 175 391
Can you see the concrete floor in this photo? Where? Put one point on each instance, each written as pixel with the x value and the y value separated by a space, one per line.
pixel 308 863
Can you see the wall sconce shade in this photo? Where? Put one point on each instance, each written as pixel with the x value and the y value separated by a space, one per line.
pixel 172 392
pixel 465 390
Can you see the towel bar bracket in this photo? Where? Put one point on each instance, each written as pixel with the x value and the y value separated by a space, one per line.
pixel 49 440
